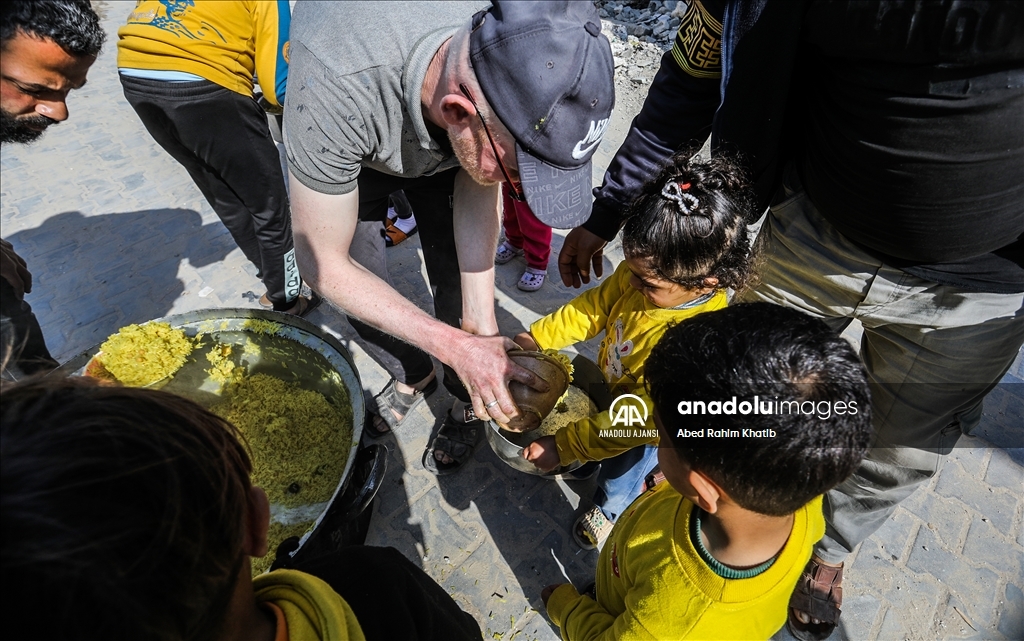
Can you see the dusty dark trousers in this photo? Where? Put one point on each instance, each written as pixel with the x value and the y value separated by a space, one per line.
pixel 223 140
pixel 431 200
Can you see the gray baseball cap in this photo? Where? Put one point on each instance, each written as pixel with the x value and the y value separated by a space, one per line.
pixel 547 73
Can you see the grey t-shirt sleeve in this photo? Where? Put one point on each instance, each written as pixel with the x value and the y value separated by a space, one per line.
pixel 326 134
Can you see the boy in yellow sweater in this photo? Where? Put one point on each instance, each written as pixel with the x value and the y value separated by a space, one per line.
pixel 129 514
pixel 685 243
pixel 760 410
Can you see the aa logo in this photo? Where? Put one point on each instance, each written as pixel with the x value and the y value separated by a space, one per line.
pixel 628 410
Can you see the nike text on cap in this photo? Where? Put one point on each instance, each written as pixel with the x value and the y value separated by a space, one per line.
pixel 546 71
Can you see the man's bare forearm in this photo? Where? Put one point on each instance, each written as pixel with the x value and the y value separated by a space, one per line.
pixel 477 212
pixel 324 226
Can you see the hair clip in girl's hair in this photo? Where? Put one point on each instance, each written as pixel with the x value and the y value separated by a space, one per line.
pixel 676 192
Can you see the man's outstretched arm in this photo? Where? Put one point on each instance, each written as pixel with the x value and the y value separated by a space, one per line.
pixel 324 226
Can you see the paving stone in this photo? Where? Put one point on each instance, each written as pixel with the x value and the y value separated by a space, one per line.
pixel 1004 414
pixel 1003 471
pixel 537 568
pixel 945 517
pixel 549 500
pixel 914 598
pixel 444 536
pixel 972 454
pixel 894 535
pixel 955 622
pixel 477 482
pixel 972 585
pixel 999 507
pixel 1011 620
pixel 987 545
pixel 860 612
pixel 895 627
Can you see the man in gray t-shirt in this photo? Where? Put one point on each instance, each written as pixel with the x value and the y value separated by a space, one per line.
pixel 445 100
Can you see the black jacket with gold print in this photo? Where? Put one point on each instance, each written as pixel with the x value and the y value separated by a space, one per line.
pixel 904 119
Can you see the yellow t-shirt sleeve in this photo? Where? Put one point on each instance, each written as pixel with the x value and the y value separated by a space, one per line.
pixel 312 609
pixel 583 317
pixel 581 618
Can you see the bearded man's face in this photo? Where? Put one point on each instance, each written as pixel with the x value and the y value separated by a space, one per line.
pixel 36 75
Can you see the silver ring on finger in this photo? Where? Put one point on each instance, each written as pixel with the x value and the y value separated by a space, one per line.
pixel 491 404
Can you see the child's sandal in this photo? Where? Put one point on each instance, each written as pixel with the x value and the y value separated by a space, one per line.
pixel 591 529
pixel 505 253
pixel 532 279
pixel 456 440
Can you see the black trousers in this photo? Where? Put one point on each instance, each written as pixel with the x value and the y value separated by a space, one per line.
pixel 401 204
pixel 431 201
pixel 22 348
pixel 222 138
pixel 393 599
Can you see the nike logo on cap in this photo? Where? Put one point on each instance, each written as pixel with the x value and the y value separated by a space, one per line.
pixel 592 139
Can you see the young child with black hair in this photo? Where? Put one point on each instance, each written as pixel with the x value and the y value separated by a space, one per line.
pixel 715 552
pixel 685 243
pixel 129 514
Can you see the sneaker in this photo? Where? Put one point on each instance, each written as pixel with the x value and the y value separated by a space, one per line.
pixel 505 253
pixel 532 279
pixel 591 529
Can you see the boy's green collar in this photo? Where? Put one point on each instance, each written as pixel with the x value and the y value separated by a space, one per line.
pixel 716 566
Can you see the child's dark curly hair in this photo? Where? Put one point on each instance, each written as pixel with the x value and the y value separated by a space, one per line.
pixel 123 511
pixel 690 223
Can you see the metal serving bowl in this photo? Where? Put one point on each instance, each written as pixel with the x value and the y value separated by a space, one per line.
pixel 509 445
pixel 297 352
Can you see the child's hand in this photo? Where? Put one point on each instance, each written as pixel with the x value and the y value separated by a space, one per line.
pixel 543 453
pixel 525 340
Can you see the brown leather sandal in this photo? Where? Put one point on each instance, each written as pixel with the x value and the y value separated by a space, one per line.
pixel 393 235
pixel 819 594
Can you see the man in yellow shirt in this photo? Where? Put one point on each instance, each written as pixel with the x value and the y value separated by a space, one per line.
pixel 761 410
pixel 187 69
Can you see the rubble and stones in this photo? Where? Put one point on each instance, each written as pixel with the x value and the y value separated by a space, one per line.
pixel 640 32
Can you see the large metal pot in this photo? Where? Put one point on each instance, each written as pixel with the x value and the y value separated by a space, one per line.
pixel 297 352
pixel 509 445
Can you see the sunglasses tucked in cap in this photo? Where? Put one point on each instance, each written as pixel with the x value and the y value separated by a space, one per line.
pixel 547 73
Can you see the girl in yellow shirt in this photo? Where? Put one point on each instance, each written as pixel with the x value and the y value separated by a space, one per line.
pixel 685 243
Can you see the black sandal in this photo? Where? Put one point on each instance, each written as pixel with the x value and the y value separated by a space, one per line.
pixel 305 305
pixel 389 399
pixel 455 439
